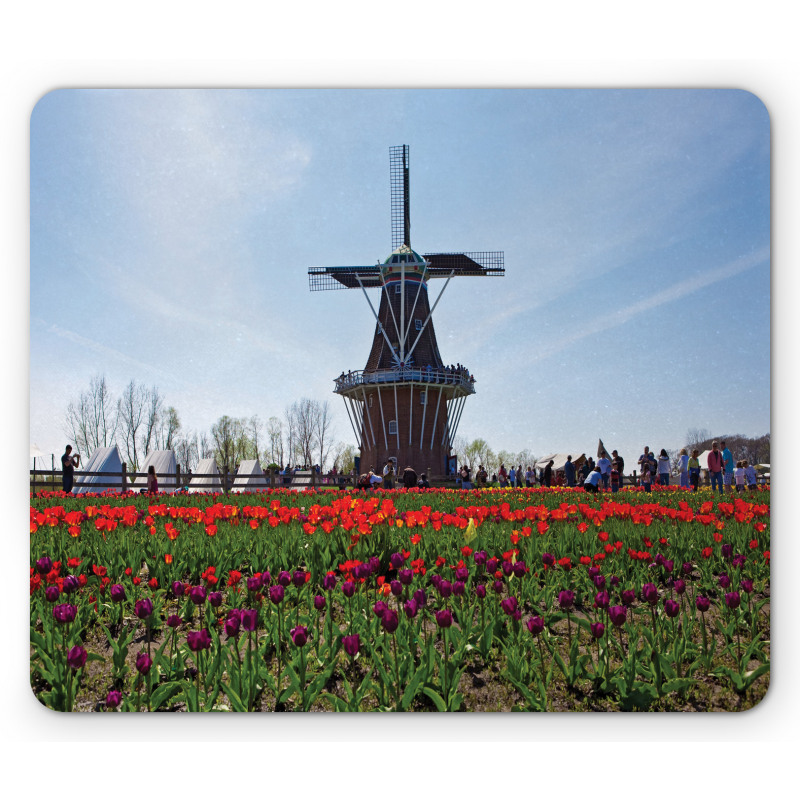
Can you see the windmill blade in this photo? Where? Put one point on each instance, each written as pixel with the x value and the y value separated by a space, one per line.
pixel 398 187
pixel 324 278
pixel 487 262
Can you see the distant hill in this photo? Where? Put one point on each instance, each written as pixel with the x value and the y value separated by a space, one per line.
pixel 755 450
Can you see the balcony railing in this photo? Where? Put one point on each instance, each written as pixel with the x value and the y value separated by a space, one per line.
pixel 443 376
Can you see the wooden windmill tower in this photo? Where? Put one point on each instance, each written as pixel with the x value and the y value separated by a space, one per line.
pixel 406 403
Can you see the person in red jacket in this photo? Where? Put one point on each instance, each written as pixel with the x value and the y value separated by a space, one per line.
pixel 715 466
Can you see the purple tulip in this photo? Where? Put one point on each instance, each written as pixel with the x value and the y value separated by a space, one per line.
pixel 498 586
pixel 420 598
pixel 491 566
pixel 299 579
pixel 265 578
pixel 614 581
pixel 396 560
pixel 479 557
pixel 232 626
pixel 599 581
pixel 593 571
pixel 300 635
pixel 65 613
pixel 117 593
pixel 618 615
pixel 276 594
pixel 548 559
pixel 458 588
pixel 197 594
pixel 509 605
pixel 411 608
pixel 669 565
pixel 671 607
pixel 565 599
pixel 724 581
pixel 746 585
pixel 143 663
pixel 628 596
pixel 445 588
pixel 396 588
pixel 444 619
pixel 702 603
pixel 174 621
pixel 249 619
pixel 44 565
pixel 361 571
pixel 329 582
pixel 254 584
pixel 319 602
pixel 679 586
pixel 379 608
pixel 348 588
pixel 519 569
pixel 601 599
pixel 687 567
pixel 650 593
pixel 506 566
pixel 436 580
pixel 71 584
pixel 51 594
pixel 76 657
pixel 480 590
pixel 177 589
pixel 739 561
pixel 732 600
pixel 113 699
pixel 389 620
pixel 143 608
pixel 405 576
pixel 351 644
pixel 215 599
pixel 461 574
pixel 535 625
pixel 597 629
pixel 727 551
pixel 284 578
pixel 374 563
pixel 198 640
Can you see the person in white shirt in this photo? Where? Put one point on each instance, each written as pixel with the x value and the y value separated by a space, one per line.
pixel 605 469
pixel 739 475
pixel 750 474
pixel 683 468
pixel 374 480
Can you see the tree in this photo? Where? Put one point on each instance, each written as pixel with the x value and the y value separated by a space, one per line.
pixel 90 422
pixel 130 416
pixel 275 438
pixel 254 429
pixel 322 425
pixel 187 452
pixel 168 430
pixel 154 405
pixel 223 435
pixel 344 459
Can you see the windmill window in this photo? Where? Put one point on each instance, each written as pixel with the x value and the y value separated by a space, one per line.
pixel 393 427
pixel 418 324
pixel 370 401
pixel 398 288
pixel 423 398
pixel 395 259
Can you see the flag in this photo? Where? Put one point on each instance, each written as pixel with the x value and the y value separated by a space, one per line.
pixel 601 450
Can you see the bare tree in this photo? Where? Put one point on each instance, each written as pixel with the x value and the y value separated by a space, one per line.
pixel 167 430
pixel 322 425
pixel 223 436
pixel 205 446
pixel 291 433
pixel 187 451
pixel 130 417
pixel 275 436
pixel 154 410
pixel 254 430
pixel 90 421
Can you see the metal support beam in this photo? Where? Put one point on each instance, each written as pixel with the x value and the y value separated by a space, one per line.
pixel 430 313
pixel 424 409
pixel 436 416
pixel 377 319
pixel 367 414
pixel 383 421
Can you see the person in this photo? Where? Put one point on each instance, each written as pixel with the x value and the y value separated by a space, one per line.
pixel 465 481
pixel 617 459
pixel 152 480
pixel 750 474
pixel 364 482
pixel 694 470
pixel 727 461
pixel 591 484
pixel 520 476
pixel 647 476
pixel 663 468
pixel 614 478
pixel 548 473
pixel 512 477
pixel 409 478
pixel 585 468
pixel 715 467
pixel 68 464
pixel 388 475
pixel 481 476
pixel 739 476
pixel 375 480
pixel 569 471
pixel 502 476
pixel 605 468
pixel 423 482
pixel 683 468
pixel 644 457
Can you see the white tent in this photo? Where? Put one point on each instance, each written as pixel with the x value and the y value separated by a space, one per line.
pixel 249 477
pixel 206 477
pixel 103 459
pixel 165 466
pixel 558 459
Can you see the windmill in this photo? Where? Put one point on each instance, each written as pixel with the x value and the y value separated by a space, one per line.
pixel 406 404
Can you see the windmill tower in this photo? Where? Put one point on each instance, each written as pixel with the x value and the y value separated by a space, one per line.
pixel 406 403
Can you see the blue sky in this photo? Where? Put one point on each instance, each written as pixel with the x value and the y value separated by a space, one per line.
pixel 171 232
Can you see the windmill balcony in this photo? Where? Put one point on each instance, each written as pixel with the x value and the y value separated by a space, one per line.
pixel 459 378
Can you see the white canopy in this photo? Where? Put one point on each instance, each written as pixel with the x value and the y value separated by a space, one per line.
pixel 206 477
pixel 249 477
pixel 103 459
pixel 558 459
pixel 165 466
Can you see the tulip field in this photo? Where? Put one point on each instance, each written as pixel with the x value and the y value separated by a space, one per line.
pixel 418 600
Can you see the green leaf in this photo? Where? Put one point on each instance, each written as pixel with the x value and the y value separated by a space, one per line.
pixel 436 697
pixel 411 690
pixel 164 692
pixel 235 700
